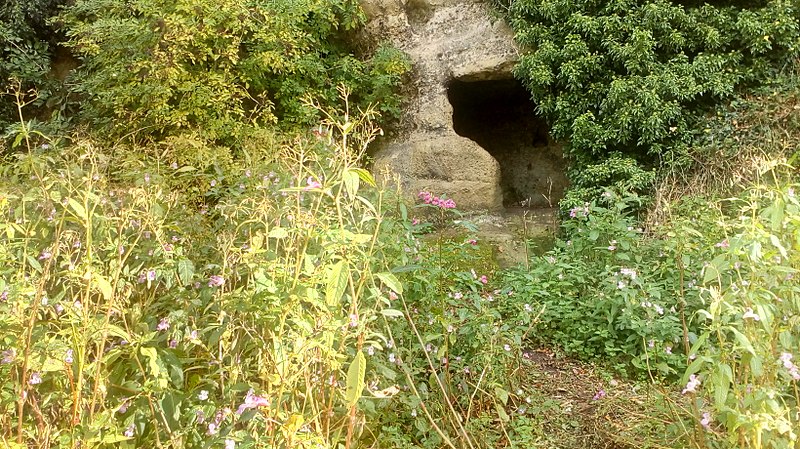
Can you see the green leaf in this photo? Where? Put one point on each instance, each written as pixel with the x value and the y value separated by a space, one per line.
pixel 365 176
pixel 351 181
pixel 355 379
pixel 114 331
pixel 152 360
pixel 18 140
pixel 278 233
pixel 392 313
pixel 80 211
pixel 710 272
pixel 185 271
pixel 501 394
pixel 113 438
pixel 391 281
pixel 103 285
pixel 777 243
pixel 743 340
pixel 721 381
pixel 336 284
pixel 34 264
pixel 501 412
pixel 756 366
pixel 171 405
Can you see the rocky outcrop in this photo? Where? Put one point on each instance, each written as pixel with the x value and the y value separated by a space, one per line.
pixel 446 40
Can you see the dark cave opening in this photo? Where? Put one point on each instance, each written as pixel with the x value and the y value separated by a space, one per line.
pixel 500 117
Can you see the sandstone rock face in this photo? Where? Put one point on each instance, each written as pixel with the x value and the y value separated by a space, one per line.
pixel 447 40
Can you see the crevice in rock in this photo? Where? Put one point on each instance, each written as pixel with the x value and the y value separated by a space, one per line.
pixel 500 117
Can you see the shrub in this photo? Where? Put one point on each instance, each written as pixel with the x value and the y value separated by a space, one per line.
pixel 632 76
pixel 27 42
pixel 130 318
pixel 610 291
pixel 153 69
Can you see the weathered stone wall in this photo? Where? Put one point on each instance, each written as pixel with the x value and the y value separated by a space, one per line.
pixel 446 40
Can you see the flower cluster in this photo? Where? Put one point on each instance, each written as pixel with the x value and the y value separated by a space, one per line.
pixel 579 211
pixel 216 281
pixel 429 198
pixel 794 371
pixel 691 386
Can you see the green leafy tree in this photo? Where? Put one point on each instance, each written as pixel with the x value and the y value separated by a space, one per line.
pixel 155 67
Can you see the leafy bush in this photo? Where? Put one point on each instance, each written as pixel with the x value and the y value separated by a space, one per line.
pixel 613 292
pixel 130 318
pixel 153 69
pixel 711 298
pixel 456 349
pixel 745 363
pixel 632 76
pixel 27 41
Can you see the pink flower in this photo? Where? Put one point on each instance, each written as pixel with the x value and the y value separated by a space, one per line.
pixel 794 371
pixel 216 281
pixel 311 183
pixel 750 314
pixel 429 198
pixel 706 421
pixel 163 324
pixel 599 395
pixel 472 242
pixel 252 401
pixel 484 280
pixel 691 386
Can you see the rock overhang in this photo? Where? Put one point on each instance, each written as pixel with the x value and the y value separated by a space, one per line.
pixel 448 41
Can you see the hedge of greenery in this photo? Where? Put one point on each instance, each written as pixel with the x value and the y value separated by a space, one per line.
pixel 624 81
pixel 214 69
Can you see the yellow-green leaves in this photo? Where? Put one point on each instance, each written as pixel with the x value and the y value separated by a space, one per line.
pixel 391 281
pixel 103 285
pixel 336 283
pixel 355 379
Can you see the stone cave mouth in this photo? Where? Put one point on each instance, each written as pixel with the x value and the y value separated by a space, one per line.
pixel 500 116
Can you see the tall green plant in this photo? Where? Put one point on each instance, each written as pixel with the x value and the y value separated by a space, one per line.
pixel 129 318
pixel 745 371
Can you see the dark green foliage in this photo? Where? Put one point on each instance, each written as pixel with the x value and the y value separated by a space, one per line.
pixel 630 77
pixel 615 293
pixel 25 45
pixel 154 68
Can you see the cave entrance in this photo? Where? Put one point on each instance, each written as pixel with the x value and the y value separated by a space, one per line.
pixel 500 117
